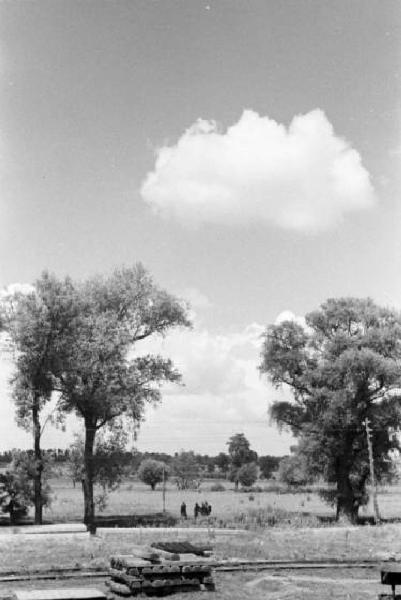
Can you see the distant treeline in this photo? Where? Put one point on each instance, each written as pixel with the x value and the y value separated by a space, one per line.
pixel 211 466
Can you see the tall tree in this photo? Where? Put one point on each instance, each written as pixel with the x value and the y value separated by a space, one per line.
pixel 153 472
pixel 103 377
pixel 110 463
pixel 33 321
pixel 187 470
pixel 341 367
pixel 268 465
pixel 222 461
pixel 240 454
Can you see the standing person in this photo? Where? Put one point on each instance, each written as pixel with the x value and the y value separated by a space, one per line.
pixel 197 509
pixel 183 510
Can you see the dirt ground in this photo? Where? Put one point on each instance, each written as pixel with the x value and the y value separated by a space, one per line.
pixel 355 584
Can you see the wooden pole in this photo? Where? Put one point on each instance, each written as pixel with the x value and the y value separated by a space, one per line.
pixel 164 489
pixel 372 472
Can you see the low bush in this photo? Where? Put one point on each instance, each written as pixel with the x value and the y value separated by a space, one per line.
pixel 253 489
pixel 277 488
pixel 257 518
pixel 217 487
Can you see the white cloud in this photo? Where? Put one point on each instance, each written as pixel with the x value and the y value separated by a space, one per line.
pixel 222 394
pixel 288 315
pixel 196 298
pixel 303 178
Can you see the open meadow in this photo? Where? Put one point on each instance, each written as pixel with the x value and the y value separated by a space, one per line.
pixel 296 538
pixel 246 509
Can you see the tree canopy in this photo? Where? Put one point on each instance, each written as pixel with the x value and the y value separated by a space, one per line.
pixel 240 453
pixel 153 472
pixel 186 470
pixel 103 377
pixel 34 321
pixel 80 339
pixel 341 368
pixel 248 474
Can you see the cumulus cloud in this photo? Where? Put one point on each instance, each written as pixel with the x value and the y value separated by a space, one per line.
pixel 210 363
pixel 288 315
pixel 302 178
pixel 196 298
pixel 222 394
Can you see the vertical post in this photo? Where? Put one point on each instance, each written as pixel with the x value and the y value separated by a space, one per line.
pixel 372 472
pixel 164 489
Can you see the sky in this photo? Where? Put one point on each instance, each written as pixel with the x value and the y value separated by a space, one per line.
pixel 247 153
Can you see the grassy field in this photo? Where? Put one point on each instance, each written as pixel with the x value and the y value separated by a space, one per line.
pixel 290 541
pixel 137 498
pixel 30 551
pixel 228 507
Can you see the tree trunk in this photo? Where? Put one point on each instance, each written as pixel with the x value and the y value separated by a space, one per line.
pixel 87 483
pixel 38 462
pixel 347 503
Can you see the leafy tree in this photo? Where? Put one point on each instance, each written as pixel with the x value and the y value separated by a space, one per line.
pixel 248 474
pixel 342 367
pixel 17 490
pixel 33 322
pixel 12 498
pixel 103 379
pixel 110 462
pixel 268 465
pixel 240 453
pixel 293 470
pixel 222 461
pixel 152 472
pixel 187 471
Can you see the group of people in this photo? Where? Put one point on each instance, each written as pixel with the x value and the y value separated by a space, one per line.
pixel 204 509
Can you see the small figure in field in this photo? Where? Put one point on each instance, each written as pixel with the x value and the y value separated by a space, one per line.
pixel 209 509
pixel 197 510
pixel 204 509
pixel 183 510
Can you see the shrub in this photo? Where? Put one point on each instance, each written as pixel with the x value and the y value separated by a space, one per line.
pixel 256 518
pixel 248 474
pixel 252 489
pixel 217 487
pixel 293 470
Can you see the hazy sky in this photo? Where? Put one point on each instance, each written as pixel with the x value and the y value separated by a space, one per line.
pixel 247 152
